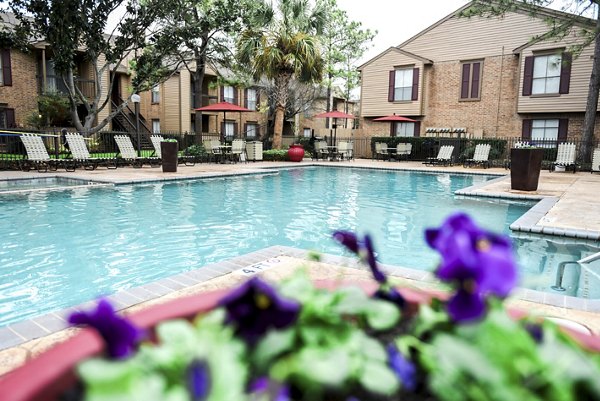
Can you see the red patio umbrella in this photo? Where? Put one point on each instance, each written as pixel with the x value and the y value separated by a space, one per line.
pixel 394 118
pixel 335 115
pixel 224 107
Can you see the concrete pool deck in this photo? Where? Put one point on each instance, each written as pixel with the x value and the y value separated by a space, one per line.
pixel 571 208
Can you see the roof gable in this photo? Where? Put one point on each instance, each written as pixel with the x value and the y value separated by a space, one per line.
pixel 401 51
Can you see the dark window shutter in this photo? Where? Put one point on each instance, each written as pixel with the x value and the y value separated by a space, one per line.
pixel 10 118
pixel 528 76
pixel 222 128
pixel 245 130
pixel 235 96
pixel 246 98
pixel 526 132
pixel 392 129
pixel 563 129
pixel 464 86
pixel 475 80
pixel 392 84
pixel 417 132
pixel 415 86
pixel 235 129
pixel 565 73
pixel 222 93
pixel 6 69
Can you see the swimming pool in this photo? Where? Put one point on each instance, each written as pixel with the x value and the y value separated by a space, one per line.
pixel 62 248
pixel 38 183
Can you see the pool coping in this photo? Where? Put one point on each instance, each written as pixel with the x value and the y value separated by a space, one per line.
pixel 30 329
pixel 86 183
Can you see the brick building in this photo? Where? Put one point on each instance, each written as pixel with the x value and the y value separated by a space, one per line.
pixel 480 75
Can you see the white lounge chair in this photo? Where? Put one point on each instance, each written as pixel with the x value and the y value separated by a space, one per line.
pixel 157 139
pixel 238 150
pixel 37 155
pixel 565 157
pixel 129 154
pixel 321 150
pixel 444 156
pixel 481 156
pixel 381 151
pixel 80 153
pixel 596 161
pixel 344 150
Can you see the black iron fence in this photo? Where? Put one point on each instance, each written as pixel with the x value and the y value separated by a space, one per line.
pixel 103 144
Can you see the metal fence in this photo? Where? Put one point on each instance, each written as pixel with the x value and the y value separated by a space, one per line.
pixel 12 150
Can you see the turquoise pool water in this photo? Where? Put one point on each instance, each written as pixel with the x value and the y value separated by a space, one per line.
pixel 61 248
pixel 39 183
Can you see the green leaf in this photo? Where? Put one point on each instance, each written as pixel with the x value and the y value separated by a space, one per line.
pixel 328 367
pixel 378 378
pixel 273 344
pixel 381 315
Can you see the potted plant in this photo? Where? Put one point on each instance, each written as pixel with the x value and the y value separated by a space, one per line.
pixel 525 166
pixel 169 149
pixel 296 152
pixel 300 342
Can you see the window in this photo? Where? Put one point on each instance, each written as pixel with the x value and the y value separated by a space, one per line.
pixel 404 129
pixel 307 132
pixel 7 118
pixel 156 94
pixel 544 132
pixel 547 74
pixel 470 80
pixel 5 68
pixel 228 94
pixel 156 126
pixel 251 130
pixel 251 99
pixel 403 84
pixel 229 129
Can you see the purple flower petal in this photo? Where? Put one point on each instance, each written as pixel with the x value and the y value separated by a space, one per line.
pixel 404 369
pixel 348 239
pixel 277 391
pixel 536 331
pixel 120 335
pixel 391 295
pixel 466 307
pixel 372 261
pixel 255 307
pixel 198 380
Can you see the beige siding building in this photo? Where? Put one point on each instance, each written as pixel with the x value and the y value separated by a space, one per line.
pixel 481 75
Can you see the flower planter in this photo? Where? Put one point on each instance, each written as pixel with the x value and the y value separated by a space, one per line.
pixel 50 374
pixel 296 153
pixel 169 152
pixel 525 166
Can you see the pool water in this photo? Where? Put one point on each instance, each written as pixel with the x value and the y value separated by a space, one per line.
pixel 31 184
pixel 62 248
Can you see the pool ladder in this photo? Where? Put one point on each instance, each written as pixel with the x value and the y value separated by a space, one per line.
pixel 561 269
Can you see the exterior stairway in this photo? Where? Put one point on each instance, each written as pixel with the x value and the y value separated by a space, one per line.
pixel 125 122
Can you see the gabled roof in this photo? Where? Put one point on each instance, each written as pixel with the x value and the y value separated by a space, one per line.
pixel 542 12
pixel 395 49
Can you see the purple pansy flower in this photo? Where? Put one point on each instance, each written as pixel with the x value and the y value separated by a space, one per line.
pixel 403 368
pixel 390 294
pixel 198 380
pixel 480 262
pixel 255 307
pixel 277 392
pixel 348 239
pixel 364 250
pixel 536 331
pixel 120 335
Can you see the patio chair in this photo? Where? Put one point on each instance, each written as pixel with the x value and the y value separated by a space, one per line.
pixel 37 155
pixel 80 153
pixel 321 150
pixel 565 157
pixel 238 150
pixel 345 150
pixel 444 156
pixel 481 156
pixel 381 151
pixel 403 150
pixel 157 139
pixel 129 154
pixel 596 161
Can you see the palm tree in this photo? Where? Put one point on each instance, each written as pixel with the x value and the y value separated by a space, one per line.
pixel 286 47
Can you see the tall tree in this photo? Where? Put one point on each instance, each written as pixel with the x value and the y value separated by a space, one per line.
pixel 572 20
pixel 76 29
pixel 197 33
pixel 285 47
pixel 344 42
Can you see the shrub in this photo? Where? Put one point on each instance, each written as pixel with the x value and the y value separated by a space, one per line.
pixel 275 155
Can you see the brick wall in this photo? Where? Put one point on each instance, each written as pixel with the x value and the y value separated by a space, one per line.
pixel 22 95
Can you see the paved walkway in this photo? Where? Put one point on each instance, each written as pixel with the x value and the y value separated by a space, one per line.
pixel 576 208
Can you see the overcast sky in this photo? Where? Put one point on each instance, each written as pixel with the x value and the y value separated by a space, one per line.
pixel 396 20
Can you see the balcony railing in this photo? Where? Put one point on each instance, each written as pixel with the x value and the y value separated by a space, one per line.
pixel 54 83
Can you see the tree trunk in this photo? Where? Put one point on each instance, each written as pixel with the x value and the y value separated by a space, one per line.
pixel 589 120
pixel 282 83
pixel 200 58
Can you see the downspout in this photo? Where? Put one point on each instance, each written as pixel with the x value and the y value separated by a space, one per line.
pixel 499 94
pixel 44 77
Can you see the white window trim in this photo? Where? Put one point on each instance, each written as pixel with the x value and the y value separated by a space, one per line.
pixel 226 96
pixel 155 92
pixel 545 78
pixel 548 129
pixel 404 129
pixel 252 103
pixel 155 125
pixel 254 130
pixel 406 87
